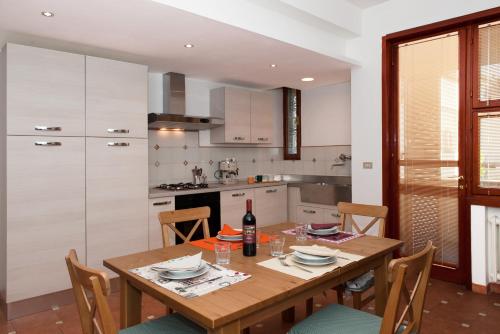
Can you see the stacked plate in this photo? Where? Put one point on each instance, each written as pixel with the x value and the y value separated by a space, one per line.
pixel 185 273
pixel 230 237
pixel 312 260
pixel 183 268
pixel 323 231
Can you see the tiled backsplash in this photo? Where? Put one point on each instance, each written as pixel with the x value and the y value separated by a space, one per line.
pixel 172 156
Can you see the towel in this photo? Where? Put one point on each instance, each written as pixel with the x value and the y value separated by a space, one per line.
pixel 322 226
pixel 316 250
pixel 228 230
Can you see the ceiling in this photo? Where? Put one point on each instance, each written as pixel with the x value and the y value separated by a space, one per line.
pixel 366 3
pixel 147 32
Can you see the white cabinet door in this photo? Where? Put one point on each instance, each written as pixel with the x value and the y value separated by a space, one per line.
pixel 157 205
pixel 233 206
pixel 237 115
pixel 331 216
pixel 117 198
pixel 261 118
pixel 309 215
pixel 45 212
pixel 271 205
pixel 116 98
pixel 45 92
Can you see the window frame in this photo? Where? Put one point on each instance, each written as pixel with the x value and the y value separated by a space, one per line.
pixel 286 155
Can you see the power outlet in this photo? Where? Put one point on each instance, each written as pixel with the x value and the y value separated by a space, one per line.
pixel 367 165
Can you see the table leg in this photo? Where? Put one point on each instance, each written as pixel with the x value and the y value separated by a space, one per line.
pixel 381 286
pixel 288 315
pixel 232 328
pixel 130 304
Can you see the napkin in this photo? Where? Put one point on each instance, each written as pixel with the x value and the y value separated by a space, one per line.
pixel 322 226
pixel 361 283
pixel 316 250
pixel 228 230
pixel 183 263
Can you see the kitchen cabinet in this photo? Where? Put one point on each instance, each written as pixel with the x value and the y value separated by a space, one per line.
pixel 45 204
pixel 309 215
pixel 45 92
pixel 261 118
pixel 270 205
pixel 117 198
pixel 233 206
pixel 233 105
pixel 331 216
pixel 116 98
pixel 157 205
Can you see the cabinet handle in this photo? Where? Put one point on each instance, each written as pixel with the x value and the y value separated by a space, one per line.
pixel 47 128
pixel 263 139
pixel 271 191
pixel 118 130
pixel 336 215
pixel 162 203
pixel 238 194
pixel 48 143
pixel 309 211
pixel 118 144
pixel 239 138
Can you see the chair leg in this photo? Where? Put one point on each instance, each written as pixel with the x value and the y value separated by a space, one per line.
pixel 168 310
pixel 288 315
pixel 309 306
pixel 245 330
pixel 340 294
pixel 357 302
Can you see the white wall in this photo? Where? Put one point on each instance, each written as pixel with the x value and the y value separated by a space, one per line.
pixel 326 115
pixel 366 88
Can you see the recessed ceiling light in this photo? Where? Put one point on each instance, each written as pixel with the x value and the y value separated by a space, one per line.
pixel 273 65
pixel 307 79
pixel 189 45
pixel 47 14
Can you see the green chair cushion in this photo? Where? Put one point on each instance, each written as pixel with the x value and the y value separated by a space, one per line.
pixel 170 324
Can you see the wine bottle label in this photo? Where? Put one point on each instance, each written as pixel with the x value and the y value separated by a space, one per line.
pixel 249 234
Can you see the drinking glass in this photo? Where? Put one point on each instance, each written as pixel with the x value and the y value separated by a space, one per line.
pixel 222 252
pixel 276 243
pixel 258 235
pixel 301 232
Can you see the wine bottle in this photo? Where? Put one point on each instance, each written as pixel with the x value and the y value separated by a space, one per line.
pixel 249 226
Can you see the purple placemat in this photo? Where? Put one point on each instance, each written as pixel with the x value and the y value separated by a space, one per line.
pixel 337 238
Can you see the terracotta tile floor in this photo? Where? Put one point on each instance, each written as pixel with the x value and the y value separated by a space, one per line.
pixel 449 309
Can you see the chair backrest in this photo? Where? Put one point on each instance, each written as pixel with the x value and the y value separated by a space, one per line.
pixel 405 306
pixel 168 219
pixel 91 288
pixel 347 210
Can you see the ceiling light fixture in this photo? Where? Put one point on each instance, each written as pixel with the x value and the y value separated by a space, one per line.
pixel 189 45
pixel 307 79
pixel 47 13
pixel 273 65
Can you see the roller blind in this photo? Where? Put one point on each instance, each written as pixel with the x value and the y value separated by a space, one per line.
pixel 489 62
pixel 489 149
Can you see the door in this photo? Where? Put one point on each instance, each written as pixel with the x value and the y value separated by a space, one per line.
pixel 117 198
pixel 237 115
pixel 429 166
pixel 271 205
pixel 45 92
pixel 116 98
pixel 233 206
pixel 45 212
pixel 309 215
pixel 157 205
pixel 261 118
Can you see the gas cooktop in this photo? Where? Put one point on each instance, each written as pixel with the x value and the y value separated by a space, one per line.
pixel 181 186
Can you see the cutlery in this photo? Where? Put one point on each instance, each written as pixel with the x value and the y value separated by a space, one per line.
pixel 196 284
pixel 283 262
pixel 214 267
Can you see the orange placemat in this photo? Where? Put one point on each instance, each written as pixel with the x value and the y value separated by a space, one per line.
pixel 210 242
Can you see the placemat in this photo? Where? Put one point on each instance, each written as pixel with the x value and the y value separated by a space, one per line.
pixel 337 238
pixel 216 278
pixel 209 243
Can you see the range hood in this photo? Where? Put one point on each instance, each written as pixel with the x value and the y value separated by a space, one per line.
pixel 174 109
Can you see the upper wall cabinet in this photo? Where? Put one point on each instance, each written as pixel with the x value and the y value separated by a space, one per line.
pixel 248 116
pixel 45 92
pixel 116 98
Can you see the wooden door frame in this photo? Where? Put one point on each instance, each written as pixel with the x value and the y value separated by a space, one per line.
pixel 390 175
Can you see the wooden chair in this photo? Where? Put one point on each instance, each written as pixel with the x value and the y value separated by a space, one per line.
pixel 168 219
pixel 403 311
pixel 91 289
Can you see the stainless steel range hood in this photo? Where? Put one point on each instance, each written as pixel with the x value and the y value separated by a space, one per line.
pixel 174 109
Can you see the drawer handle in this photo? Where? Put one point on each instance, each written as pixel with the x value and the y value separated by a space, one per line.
pixel 271 191
pixel 48 128
pixel 238 194
pixel 48 143
pixel 336 215
pixel 239 138
pixel 162 203
pixel 309 211
pixel 118 130
pixel 118 144
pixel 263 139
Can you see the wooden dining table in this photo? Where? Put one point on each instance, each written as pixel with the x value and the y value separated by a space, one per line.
pixel 266 293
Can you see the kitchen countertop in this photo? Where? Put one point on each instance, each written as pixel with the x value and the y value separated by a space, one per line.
pixel 212 187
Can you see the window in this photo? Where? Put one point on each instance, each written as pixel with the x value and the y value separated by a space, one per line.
pixel 291 123
pixel 487 152
pixel 487 59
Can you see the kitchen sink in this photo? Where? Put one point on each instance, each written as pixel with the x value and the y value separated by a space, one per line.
pixel 324 193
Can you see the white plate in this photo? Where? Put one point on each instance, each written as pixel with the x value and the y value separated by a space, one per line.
pixel 311 258
pixel 229 238
pixel 331 260
pixel 331 231
pixel 184 275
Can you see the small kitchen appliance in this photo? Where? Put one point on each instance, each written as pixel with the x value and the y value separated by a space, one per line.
pixel 228 171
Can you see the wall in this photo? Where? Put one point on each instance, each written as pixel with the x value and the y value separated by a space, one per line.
pixel 3 173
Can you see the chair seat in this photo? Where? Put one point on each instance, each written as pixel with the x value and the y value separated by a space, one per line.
pixel 170 324
pixel 361 283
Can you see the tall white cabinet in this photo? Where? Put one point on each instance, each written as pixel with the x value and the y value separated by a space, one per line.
pixel 66 180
